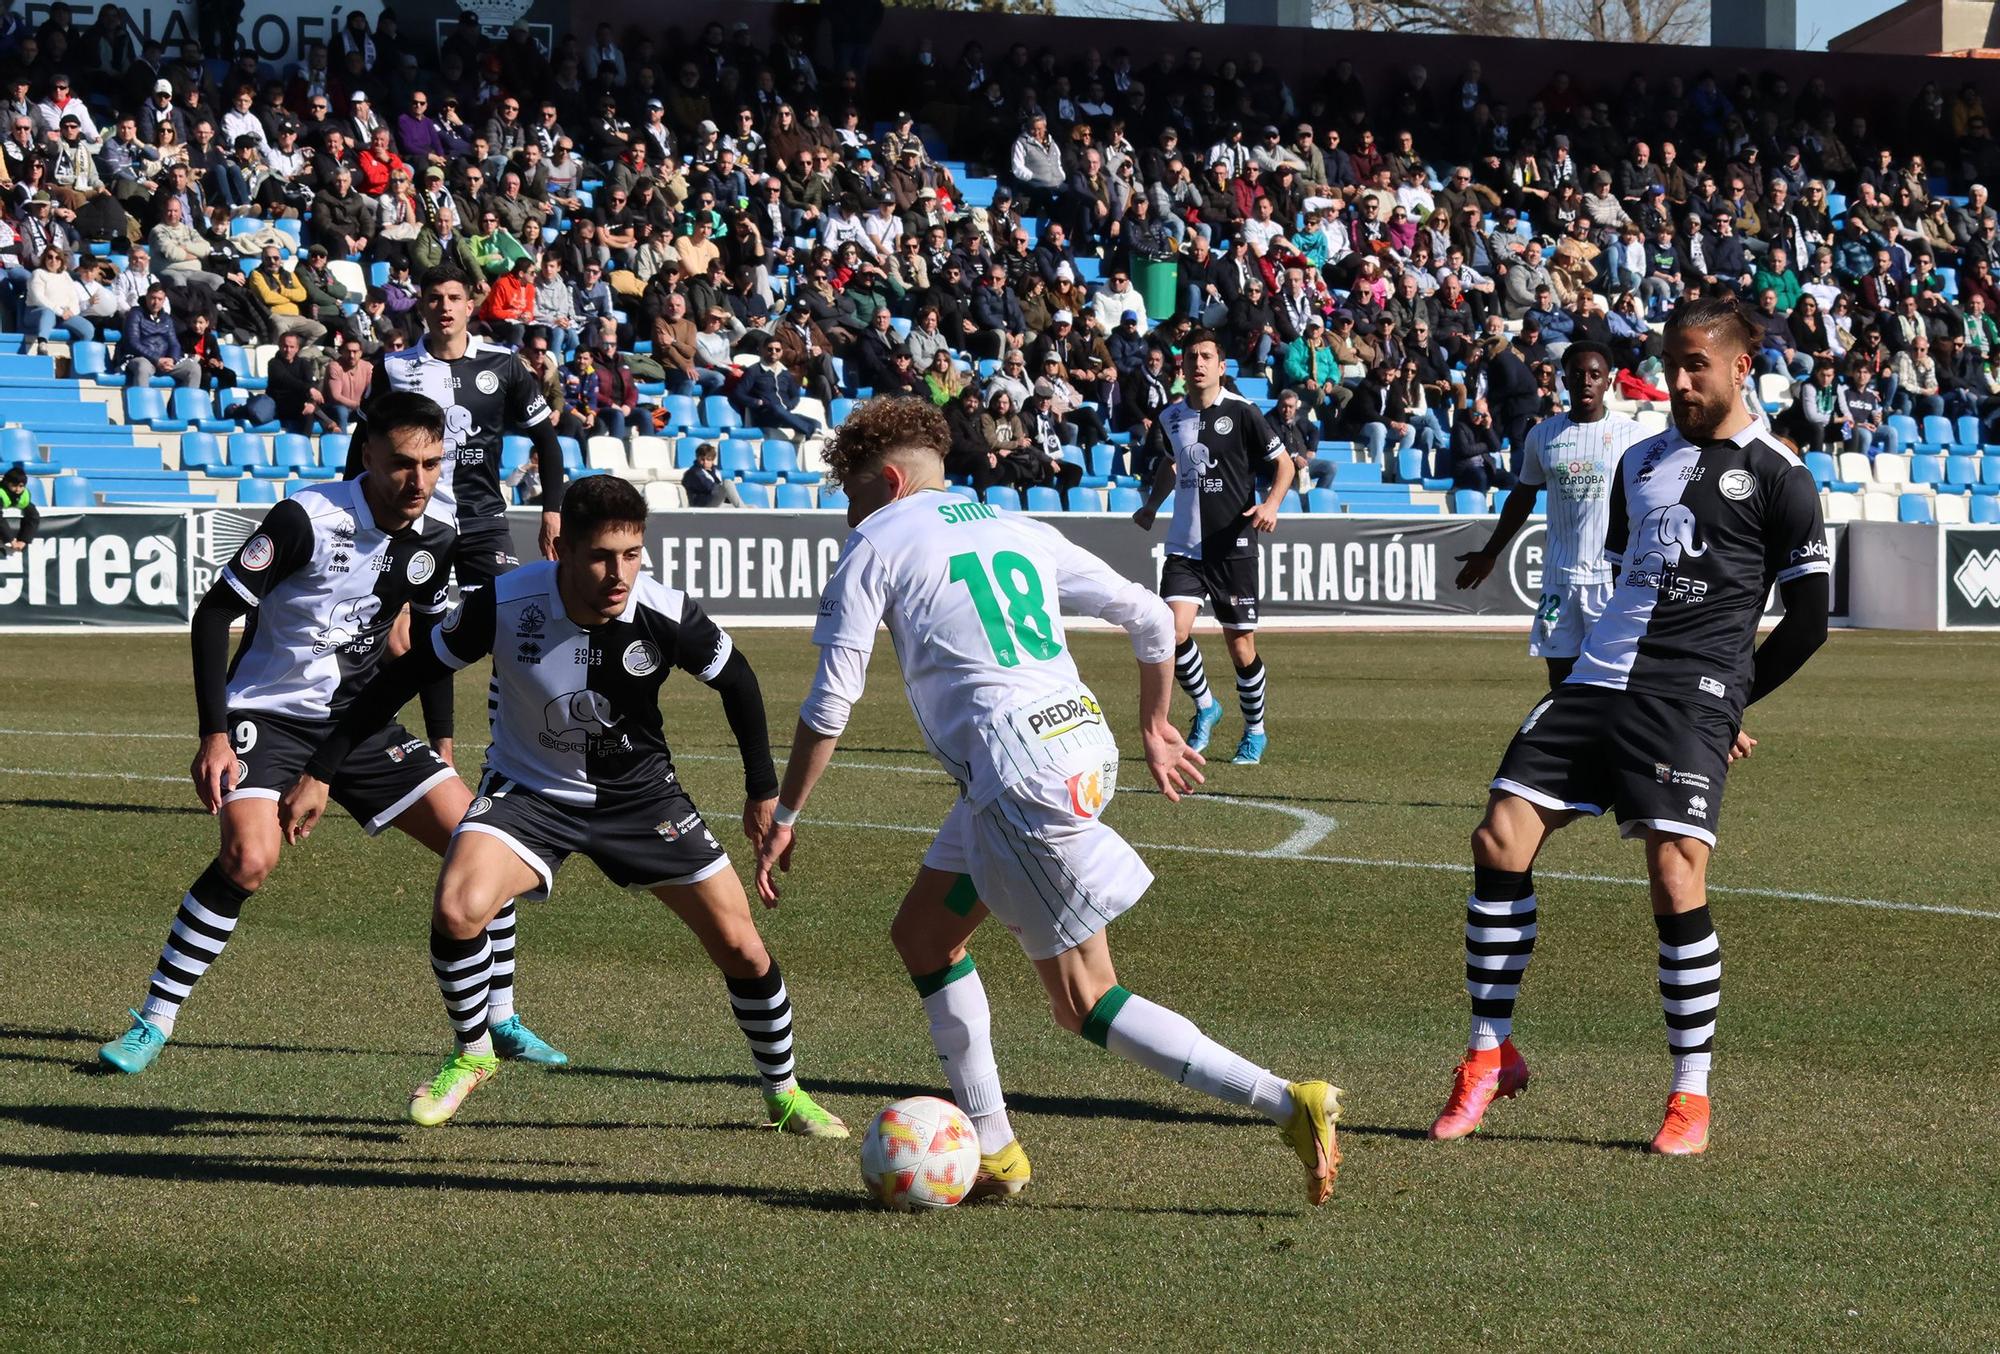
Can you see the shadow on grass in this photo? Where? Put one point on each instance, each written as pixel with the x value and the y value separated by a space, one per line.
pixel 157 1121
pixel 102 806
pixel 96 1037
pixel 362 1174
pixel 1028 1102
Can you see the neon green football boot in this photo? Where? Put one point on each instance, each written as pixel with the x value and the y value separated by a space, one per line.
pixel 793 1111
pixel 439 1098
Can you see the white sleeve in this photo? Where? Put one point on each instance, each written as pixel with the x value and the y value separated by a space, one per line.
pixel 1530 471
pixel 842 675
pixel 1090 587
pixel 856 596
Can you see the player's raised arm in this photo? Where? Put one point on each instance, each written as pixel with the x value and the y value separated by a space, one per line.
pixel 706 650
pixel 281 544
pixel 527 408
pixel 1264 516
pixel 1087 586
pixel 465 635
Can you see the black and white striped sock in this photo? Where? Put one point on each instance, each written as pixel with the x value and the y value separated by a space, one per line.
pixel 1250 695
pixel 500 993
pixel 1690 993
pixel 1500 929
pixel 763 1011
pixel 1192 673
pixel 464 969
pixel 202 926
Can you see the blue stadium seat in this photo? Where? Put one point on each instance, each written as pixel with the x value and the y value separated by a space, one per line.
pixel 795 496
pixel 1321 500
pixel 736 458
pixel 1968 433
pixel 293 451
pixel 682 411
pixel 143 404
pixel 17 444
pixel 1000 496
pixel 718 412
pixel 236 357
pixel 1409 465
pixel 781 458
pixel 333 449
pixel 840 409
pixel 755 495
pixel 572 454
pixel 832 498
pixel 201 453
pixel 249 450
pixel 1041 498
pixel 89 361
pixel 1468 501
pixel 1291 502
pixel 73 491
pixel 1253 387
pixel 514 452
pixel 1985 510
pixel 1926 469
pixel 257 491
pixel 1822 467
pixel 1989 470
pixel 1125 500
pixel 1914 508
pixel 1357 472
pixel 1961 470
pixel 198 408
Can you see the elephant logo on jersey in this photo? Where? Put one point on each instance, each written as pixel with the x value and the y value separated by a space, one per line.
pixel 572 723
pixel 1666 535
pixel 349 626
pixel 458 429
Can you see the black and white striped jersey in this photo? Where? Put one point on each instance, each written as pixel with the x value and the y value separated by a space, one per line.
pixel 324 584
pixel 485 394
pixel 575 713
pixel 1700 532
pixel 1218 453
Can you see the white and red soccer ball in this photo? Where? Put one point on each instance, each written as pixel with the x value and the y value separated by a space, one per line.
pixel 920 1154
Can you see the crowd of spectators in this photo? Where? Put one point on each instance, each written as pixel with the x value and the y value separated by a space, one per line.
pixel 1402 258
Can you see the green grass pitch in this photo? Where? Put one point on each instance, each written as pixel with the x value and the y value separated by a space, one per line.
pixel 259 1189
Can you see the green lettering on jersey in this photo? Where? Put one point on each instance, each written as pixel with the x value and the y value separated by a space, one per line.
pixel 1026 626
pixel 954 513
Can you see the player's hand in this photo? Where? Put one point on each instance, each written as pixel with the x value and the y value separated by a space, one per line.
pixel 1176 767
pixel 757 818
pixel 1144 517
pixel 551 528
pixel 213 770
pixel 443 748
pixel 1742 747
pixel 1474 568
pixel 301 807
pixel 1263 517
pixel 776 849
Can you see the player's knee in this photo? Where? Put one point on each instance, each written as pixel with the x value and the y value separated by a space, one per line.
pixel 459 911
pixel 248 864
pixel 1489 845
pixel 1679 875
pixel 920 951
pixel 1067 1012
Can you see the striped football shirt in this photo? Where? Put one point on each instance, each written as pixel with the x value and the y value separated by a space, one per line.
pixel 1576 462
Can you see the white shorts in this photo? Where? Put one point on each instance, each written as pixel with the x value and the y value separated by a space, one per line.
pixel 1567 612
pixel 1053 877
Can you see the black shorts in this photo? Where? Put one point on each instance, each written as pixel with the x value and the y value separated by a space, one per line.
pixel 643 845
pixel 1659 763
pixel 485 551
pixel 1229 586
pixel 380 778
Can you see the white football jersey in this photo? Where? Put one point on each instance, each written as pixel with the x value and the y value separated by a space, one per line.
pixel 974 602
pixel 1576 462
pixel 325 584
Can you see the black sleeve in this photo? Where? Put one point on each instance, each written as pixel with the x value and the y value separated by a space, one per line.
pixel 210 634
pixel 281 545
pixel 436 696
pixel 1799 633
pixel 705 649
pixel 1616 527
pixel 527 409
pixel 1260 443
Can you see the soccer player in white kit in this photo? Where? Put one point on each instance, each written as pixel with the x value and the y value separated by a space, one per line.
pixel 1573 456
pixel 974 601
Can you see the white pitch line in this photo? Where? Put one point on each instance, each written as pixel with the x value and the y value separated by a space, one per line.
pixel 1313 828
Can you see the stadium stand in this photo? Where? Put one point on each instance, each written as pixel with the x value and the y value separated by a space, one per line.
pixel 1025 238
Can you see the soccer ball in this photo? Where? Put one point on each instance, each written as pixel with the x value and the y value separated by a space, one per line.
pixel 920 1154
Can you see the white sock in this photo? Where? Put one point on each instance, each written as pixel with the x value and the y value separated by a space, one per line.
pixel 1170 1044
pixel 482 1046
pixel 160 1014
pixel 962 1032
pixel 1691 1073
